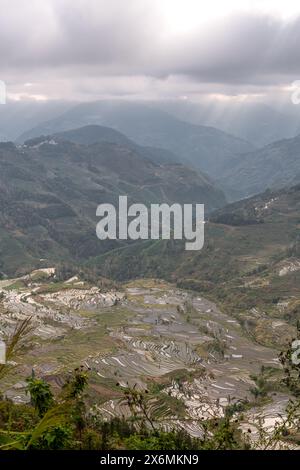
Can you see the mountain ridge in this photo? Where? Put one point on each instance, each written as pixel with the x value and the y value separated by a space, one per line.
pixel 50 191
pixel 274 166
pixel 204 148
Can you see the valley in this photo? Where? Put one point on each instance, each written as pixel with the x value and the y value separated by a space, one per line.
pixel 50 192
pixel 149 231
pixel 194 336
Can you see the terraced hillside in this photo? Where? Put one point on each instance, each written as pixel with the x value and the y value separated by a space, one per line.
pixel 193 359
pixel 249 264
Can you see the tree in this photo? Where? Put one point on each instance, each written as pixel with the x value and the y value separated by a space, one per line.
pixel 260 389
pixel 40 394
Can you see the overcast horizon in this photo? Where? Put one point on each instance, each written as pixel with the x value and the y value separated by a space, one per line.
pixel 149 49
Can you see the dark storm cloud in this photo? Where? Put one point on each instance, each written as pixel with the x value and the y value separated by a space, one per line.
pixel 119 38
pixel 75 33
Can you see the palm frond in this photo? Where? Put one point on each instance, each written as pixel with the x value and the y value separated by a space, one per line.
pixel 59 414
pixel 14 343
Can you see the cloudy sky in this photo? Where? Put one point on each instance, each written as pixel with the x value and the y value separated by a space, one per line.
pixel 150 49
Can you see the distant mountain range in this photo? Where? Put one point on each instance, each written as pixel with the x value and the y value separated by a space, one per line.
pixel 93 134
pixel 274 166
pixel 234 164
pixel 257 123
pixel 17 117
pixel 204 148
pixel 51 187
